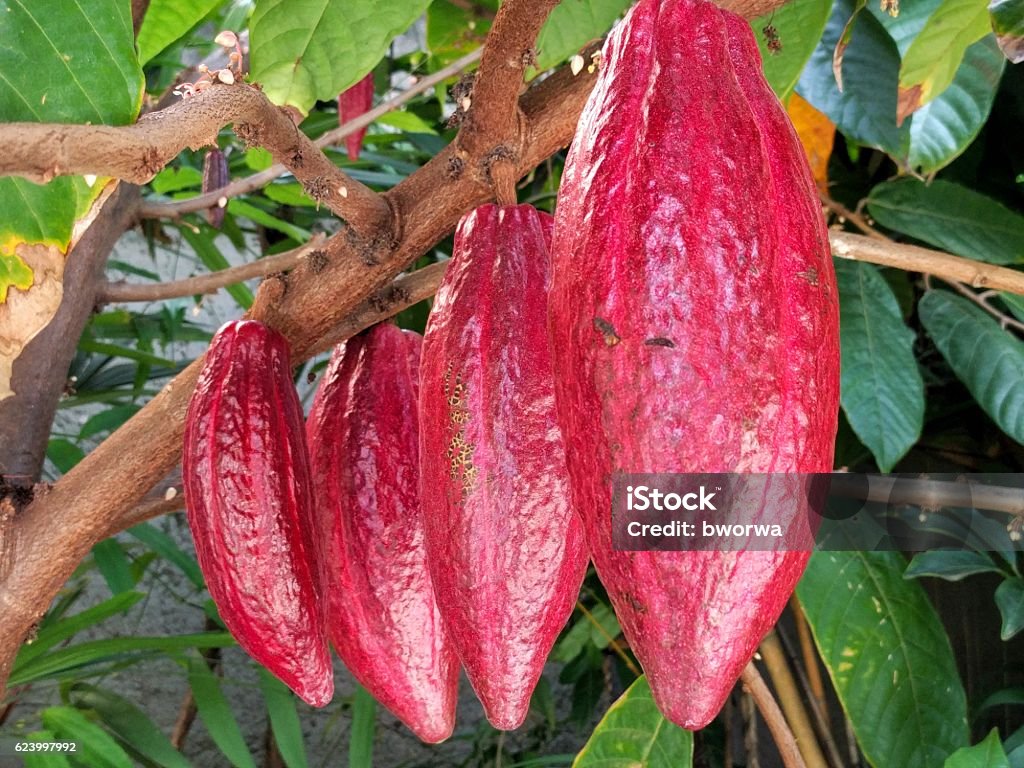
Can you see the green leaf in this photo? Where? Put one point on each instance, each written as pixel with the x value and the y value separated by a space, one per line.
pixel 305 50
pixel 409 122
pixel 951 218
pixel 289 193
pixel 634 734
pixel 987 754
pixel 115 350
pixel 97 748
pixel 364 720
pixel 44 759
pixel 129 723
pixel 881 388
pixel 865 111
pixel 178 178
pixel 64 454
pixel 583 632
pixel 942 129
pixel 799 24
pixel 165 546
pixel 1010 601
pixel 983 356
pixel 216 714
pixel 888 656
pixel 453 32
pixel 1008 24
pixel 113 564
pixel 571 25
pixel 928 66
pixel 246 210
pixel 284 720
pixel 107 420
pixel 951 565
pixel 13 273
pixel 168 20
pixel 213 259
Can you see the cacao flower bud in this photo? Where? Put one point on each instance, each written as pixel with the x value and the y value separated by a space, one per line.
pixel 247 491
pixel 506 551
pixel 694 323
pixel 215 176
pixel 352 103
pixel 364 446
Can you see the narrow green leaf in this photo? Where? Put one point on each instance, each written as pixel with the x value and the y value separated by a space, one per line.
pixel 284 720
pixel 881 388
pixel 116 350
pixel 951 218
pixel 216 714
pixel 1008 24
pixel 572 25
pixel 364 722
pixel 97 748
pixel 888 656
pixel 168 20
pixel 129 723
pixel 634 734
pixel 107 420
pixel 165 546
pixel 44 759
pixel 246 210
pixel 113 564
pixel 64 454
pixel 951 565
pixel 987 359
pixel 1001 698
pixel 177 178
pixel 213 259
pixel 799 25
pixel 987 754
pixel 1010 600
pixel 409 122
pixel 583 632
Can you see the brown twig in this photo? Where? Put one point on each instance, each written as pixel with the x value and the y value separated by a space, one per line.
pixel 854 218
pixel 773 717
pixel 792 705
pixel 211 283
pixel 981 299
pixel 612 642
pixel 807 650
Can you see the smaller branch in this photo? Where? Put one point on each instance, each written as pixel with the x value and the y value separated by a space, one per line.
pixel 792 705
pixel 259 180
pixel 981 299
pixel 773 717
pixel 803 631
pixel 211 283
pixel 612 642
pixel 854 218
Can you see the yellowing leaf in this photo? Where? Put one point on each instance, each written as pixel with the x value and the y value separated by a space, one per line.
pixel 13 271
pixel 817 134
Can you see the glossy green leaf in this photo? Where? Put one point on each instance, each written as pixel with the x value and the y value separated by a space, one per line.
pixel 364 721
pixel 888 656
pixel 571 25
pixel 951 565
pixel 305 50
pixel 454 31
pixel 799 25
pixel 284 720
pixel 216 714
pixel 128 723
pixel 179 178
pixel 881 388
pixel 165 546
pixel 107 420
pixel 1010 601
pixel 1008 25
pixel 932 59
pixel 64 454
pixel 942 129
pixel 409 122
pixel 951 218
pixel 251 212
pixel 634 734
pixel 168 20
pixel 97 748
pixel 983 356
pixel 584 632
pixel 113 564
pixel 987 754
pixel 905 26
pixel 865 111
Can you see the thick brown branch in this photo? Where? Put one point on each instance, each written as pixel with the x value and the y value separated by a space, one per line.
pixel 211 283
pixel 41 151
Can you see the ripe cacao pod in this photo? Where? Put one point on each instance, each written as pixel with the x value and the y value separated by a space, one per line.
pixel 506 550
pixel 694 323
pixel 247 491
pixel 215 176
pixel 364 446
pixel 352 103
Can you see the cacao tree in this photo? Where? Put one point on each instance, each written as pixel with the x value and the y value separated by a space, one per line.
pixel 298 171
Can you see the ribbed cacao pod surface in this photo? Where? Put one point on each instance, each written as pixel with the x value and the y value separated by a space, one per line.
pixel 364 447
pixel 694 323
pixel 352 103
pixel 245 471
pixel 506 550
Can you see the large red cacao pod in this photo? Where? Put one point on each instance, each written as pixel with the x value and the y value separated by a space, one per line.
pixel 694 321
pixel 364 447
pixel 352 103
pixel 506 550
pixel 247 491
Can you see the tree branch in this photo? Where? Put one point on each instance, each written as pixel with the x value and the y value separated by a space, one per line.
pixel 210 283
pixel 773 717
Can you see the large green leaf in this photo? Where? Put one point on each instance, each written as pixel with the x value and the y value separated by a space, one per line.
pixel 98 748
pixel 1008 24
pixel 950 564
pixel 951 218
pixel 634 734
pixel 168 20
pixel 1010 601
pixel 888 656
pixel 983 356
pixel 987 754
pixel 571 25
pixel 881 388
pixel 799 25
pixel 305 50
pixel 216 714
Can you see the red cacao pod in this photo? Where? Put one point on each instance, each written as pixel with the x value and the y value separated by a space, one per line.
pixel 215 176
pixel 506 550
pixel 694 321
pixel 352 103
pixel 364 447
pixel 247 491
